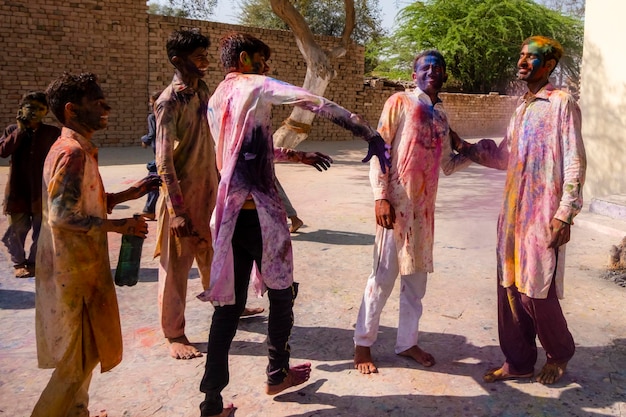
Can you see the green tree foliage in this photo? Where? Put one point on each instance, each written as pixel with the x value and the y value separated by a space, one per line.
pixel 480 40
pixel 324 17
pixel 193 9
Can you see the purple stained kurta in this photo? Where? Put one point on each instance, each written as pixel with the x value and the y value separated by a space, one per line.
pixel 420 146
pixel 545 175
pixel 239 116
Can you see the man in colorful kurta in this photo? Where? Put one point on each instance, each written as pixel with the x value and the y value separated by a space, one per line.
pixel 249 218
pixel 77 318
pixel 544 156
pixel 416 126
pixel 27 142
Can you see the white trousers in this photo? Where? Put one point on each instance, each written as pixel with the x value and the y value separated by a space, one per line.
pixel 377 290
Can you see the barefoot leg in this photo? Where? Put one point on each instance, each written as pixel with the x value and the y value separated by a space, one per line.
pixel 421 357
pixel 363 360
pixel 297 375
pixel 551 373
pixel 500 374
pixel 181 348
pixel 251 311
pixel 296 223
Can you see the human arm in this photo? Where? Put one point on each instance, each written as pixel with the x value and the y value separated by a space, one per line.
pixel 284 93
pixel 574 166
pixel 385 214
pixel 318 160
pixel 135 191
pixel 451 161
pixel 149 139
pixel 485 152
pixel 166 137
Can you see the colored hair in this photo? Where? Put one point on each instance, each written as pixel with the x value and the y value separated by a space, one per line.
pixel 69 88
pixel 550 48
pixel 234 43
pixel 184 41
pixel 38 96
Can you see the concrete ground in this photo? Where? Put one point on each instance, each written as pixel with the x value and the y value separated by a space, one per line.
pixel 332 261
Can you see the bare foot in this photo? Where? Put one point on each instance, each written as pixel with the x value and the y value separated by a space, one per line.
pixel 252 311
pixel 551 373
pixel 419 356
pixel 181 348
pixel 499 374
pixel 296 223
pixel 228 411
pixel 296 376
pixel 363 360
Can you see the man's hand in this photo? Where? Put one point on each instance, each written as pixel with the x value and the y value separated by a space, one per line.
pixel 320 161
pixel 181 226
pixel 456 142
pixel 145 185
pixel 385 214
pixel 378 147
pixel 560 233
pixel 135 226
pixel 21 120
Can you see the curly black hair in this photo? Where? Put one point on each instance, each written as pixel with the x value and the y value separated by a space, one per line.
pixel 70 88
pixel 234 43
pixel 38 96
pixel 182 42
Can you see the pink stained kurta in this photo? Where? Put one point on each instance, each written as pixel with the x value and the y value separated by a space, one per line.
pixel 545 174
pixel 73 268
pixel 420 146
pixel 239 116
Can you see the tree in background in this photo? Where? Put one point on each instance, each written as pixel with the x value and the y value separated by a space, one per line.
pixel 193 9
pixel 480 40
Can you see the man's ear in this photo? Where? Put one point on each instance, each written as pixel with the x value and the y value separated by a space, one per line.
pixel 176 61
pixel 244 59
pixel 69 111
pixel 551 64
pixel 445 77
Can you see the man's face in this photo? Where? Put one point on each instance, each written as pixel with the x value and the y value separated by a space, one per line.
pixel 531 66
pixel 196 64
pixel 32 113
pixel 93 111
pixel 259 64
pixel 429 74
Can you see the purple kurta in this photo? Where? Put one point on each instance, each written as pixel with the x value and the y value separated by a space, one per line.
pixel 239 116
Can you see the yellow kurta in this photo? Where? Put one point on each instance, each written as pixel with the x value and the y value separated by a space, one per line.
pixel 73 269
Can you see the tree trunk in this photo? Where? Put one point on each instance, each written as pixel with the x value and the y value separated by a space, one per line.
pixel 319 73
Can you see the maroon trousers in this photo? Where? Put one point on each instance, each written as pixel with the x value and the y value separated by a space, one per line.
pixel 521 319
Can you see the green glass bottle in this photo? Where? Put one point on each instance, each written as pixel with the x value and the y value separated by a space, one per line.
pixel 127 271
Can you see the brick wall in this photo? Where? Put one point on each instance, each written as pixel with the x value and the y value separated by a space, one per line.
pixel 125 47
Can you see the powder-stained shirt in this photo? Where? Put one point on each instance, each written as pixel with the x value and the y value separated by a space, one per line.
pixel 73 269
pixel 185 157
pixel 28 150
pixel 418 133
pixel 239 115
pixel 544 156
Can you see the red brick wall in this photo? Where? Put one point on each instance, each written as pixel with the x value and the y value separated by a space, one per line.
pixel 125 47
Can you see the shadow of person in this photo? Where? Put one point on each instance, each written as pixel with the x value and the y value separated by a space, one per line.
pixel 16 299
pixel 335 237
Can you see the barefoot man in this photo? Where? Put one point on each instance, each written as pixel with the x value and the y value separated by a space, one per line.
pixel 416 127
pixel 544 156
pixel 248 223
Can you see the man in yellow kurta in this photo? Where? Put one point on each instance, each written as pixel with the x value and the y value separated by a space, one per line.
pixel 77 318
pixel 416 127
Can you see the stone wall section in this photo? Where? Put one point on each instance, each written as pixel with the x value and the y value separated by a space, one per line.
pixel 125 46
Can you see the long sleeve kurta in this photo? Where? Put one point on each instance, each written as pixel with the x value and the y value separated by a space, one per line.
pixel 420 146
pixel 28 150
pixel 73 269
pixel 239 116
pixel 544 155
pixel 185 157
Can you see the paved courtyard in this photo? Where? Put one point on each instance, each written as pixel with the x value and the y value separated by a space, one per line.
pixel 332 256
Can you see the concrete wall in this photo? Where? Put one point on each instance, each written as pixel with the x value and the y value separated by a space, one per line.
pixel 125 47
pixel 603 97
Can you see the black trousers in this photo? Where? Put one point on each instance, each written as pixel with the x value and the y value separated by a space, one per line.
pixel 247 248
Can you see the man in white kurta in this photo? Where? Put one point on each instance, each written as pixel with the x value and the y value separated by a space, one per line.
pixel 416 127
